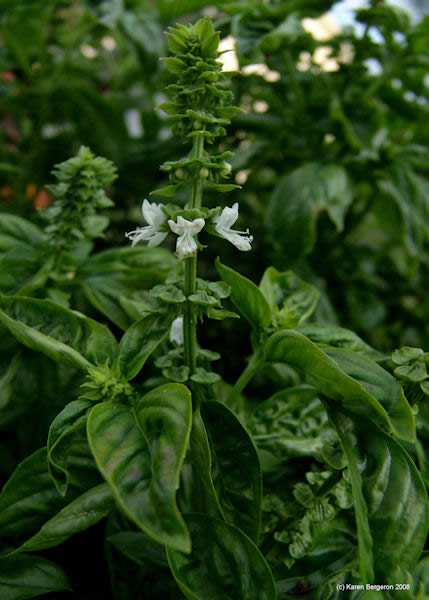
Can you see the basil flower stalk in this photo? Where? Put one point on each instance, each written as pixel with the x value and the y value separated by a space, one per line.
pixel 187 231
pixel 223 223
pixel 153 232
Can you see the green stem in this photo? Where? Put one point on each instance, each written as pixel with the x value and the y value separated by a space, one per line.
pixel 189 317
pixel 255 364
pixel 189 320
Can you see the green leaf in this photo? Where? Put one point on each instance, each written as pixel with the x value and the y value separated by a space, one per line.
pixel 9 409
pixel 199 493
pixel 139 547
pixel 94 225
pixel 410 192
pixel 338 337
pixel 141 455
pixel 222 187
pixel 77 516
pixel 415 372
pixel 292 300
pixel 174 65
pixel 406 354
pixel 15 230
pixel 63 335
pixel 178 374
pixel 136 268
pixel 246 296
pixel 169 190
pixel 205 377
pixel 391 492
pixel 348 378
pixel 230 567
pixel 70 420
pixel 297 201
pixel 27 267
pixel 104 294
pixel 24 577
pixel 238 478
pixel 140 340
pixel 202 298
pixel 29 497
pixel 168 293
pixel 218 314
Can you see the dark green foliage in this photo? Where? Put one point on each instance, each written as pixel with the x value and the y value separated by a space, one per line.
pixel 301 465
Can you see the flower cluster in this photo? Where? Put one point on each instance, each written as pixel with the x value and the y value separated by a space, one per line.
pixel 78 194
pixel 187 231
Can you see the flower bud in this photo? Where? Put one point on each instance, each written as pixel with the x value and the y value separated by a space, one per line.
pixel 197 125
pixel 180 173
pixel 204 173
pixel 226 171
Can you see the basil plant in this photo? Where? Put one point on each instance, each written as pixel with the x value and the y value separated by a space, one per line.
pixel 206 492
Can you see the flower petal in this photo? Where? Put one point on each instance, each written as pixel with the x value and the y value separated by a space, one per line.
pixel 153 213
pixel 228 217
pixel 176 332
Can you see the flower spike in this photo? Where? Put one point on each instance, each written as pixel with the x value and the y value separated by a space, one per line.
pixel 155 217
pixel 223 223
pixel 187 231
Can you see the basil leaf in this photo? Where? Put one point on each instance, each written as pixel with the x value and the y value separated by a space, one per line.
pixel 246 296
pixel 230 567
pixel 136 268
pixel 15 230
pixel 77 516
pixel 143 470
pixel 237 475
pixel 292 300
pixel 140 340
pixel 339 337
pixel 352 380
pixel 389 489
pixel 104 294
pixel 298 200
pixel 24 577
pixel 69 421
pixel 139 547
pixel 62 334
pixel 29 497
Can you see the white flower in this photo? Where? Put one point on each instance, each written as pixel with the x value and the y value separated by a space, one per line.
pixel 176 332
pixel 187 231
pixel 223 224
pixel 152 233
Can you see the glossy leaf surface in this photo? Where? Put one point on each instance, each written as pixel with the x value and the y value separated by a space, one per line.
pixel 65 425
pixel 104 295
pixel 139 341
pixel 230 567
pixel 339 337
pixel 15 230
pixel 292 300
pixel 143 470
pixel 236 469
pixel 77 516
pixel 391 492
pixel 246 296
pixel 349 378
pixel 63 335
pixel 29 497
pixel 299 198
pixel 24 577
